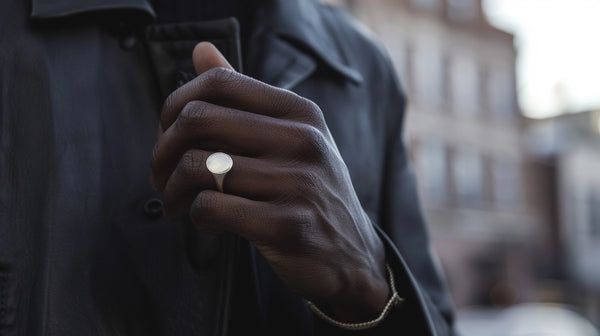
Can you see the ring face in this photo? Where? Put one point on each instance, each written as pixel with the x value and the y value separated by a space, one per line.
pixel 219 163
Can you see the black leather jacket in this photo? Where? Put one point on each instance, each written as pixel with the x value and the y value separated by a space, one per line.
pixel 83 247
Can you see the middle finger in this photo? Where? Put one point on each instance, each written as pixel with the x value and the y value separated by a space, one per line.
pixel 216 128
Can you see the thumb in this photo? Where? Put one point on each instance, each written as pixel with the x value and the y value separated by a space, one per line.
pixel 206 56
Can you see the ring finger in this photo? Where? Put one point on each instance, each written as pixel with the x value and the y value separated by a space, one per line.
pixel 250 178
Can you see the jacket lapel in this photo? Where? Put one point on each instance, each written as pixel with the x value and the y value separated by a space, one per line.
pixel 280 64
pixel 295 43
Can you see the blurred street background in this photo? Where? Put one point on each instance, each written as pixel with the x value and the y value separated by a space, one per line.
pixel 503 127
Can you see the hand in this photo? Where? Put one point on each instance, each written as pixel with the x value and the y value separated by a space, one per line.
pixel 289 192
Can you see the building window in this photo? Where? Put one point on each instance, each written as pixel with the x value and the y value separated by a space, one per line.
pixel 468 178
pixel 425 3
pixel 594 213
pixel 428 75
pixel 506 184
pixel 432 165
pixel 484 88
pixel 462 10
pixel 465 85
pixel 502 95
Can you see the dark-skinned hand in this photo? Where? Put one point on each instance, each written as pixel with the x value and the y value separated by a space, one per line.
pixel 289 192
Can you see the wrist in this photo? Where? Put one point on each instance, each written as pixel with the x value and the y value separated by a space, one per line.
pixel 363 298
pixel 392 301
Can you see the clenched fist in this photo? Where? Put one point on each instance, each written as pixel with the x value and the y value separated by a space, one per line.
pixel 289 192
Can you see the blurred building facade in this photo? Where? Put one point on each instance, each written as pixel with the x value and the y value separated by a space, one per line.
pixel 490 204
pixel 570 143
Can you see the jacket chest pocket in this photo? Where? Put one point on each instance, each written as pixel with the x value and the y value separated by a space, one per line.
pixel 170 47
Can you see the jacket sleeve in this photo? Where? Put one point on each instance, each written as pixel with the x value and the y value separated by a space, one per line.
pixel 404 231
pixel 426 309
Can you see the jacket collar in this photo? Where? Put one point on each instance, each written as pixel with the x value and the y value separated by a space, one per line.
pixel 55 9
pixel 301 23
pixel 297 37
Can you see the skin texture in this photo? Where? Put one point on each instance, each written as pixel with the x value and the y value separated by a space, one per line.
pixel 289 192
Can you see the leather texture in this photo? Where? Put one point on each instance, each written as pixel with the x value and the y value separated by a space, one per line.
pixel 82 251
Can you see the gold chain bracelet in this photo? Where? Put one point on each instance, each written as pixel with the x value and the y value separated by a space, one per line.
pixel 394 300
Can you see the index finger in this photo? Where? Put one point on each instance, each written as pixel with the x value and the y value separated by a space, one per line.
pixel 225 87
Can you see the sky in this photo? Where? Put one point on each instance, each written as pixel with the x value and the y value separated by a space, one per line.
pixel 558 69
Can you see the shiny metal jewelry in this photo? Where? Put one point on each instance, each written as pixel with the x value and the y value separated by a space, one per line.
pixel 394 300
pixel 219 164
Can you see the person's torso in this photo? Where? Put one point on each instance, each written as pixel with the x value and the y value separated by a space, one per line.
pixel 85 248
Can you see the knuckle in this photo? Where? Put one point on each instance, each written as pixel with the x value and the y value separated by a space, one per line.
pixel 310 110
pixel 193 114
pixel 310 107
pixel 219 77
pixel 307 133
pixel 190 165
pixel 312 141
pixel 202 206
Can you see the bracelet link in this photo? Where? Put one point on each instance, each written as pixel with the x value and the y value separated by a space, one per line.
pixel 394 300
